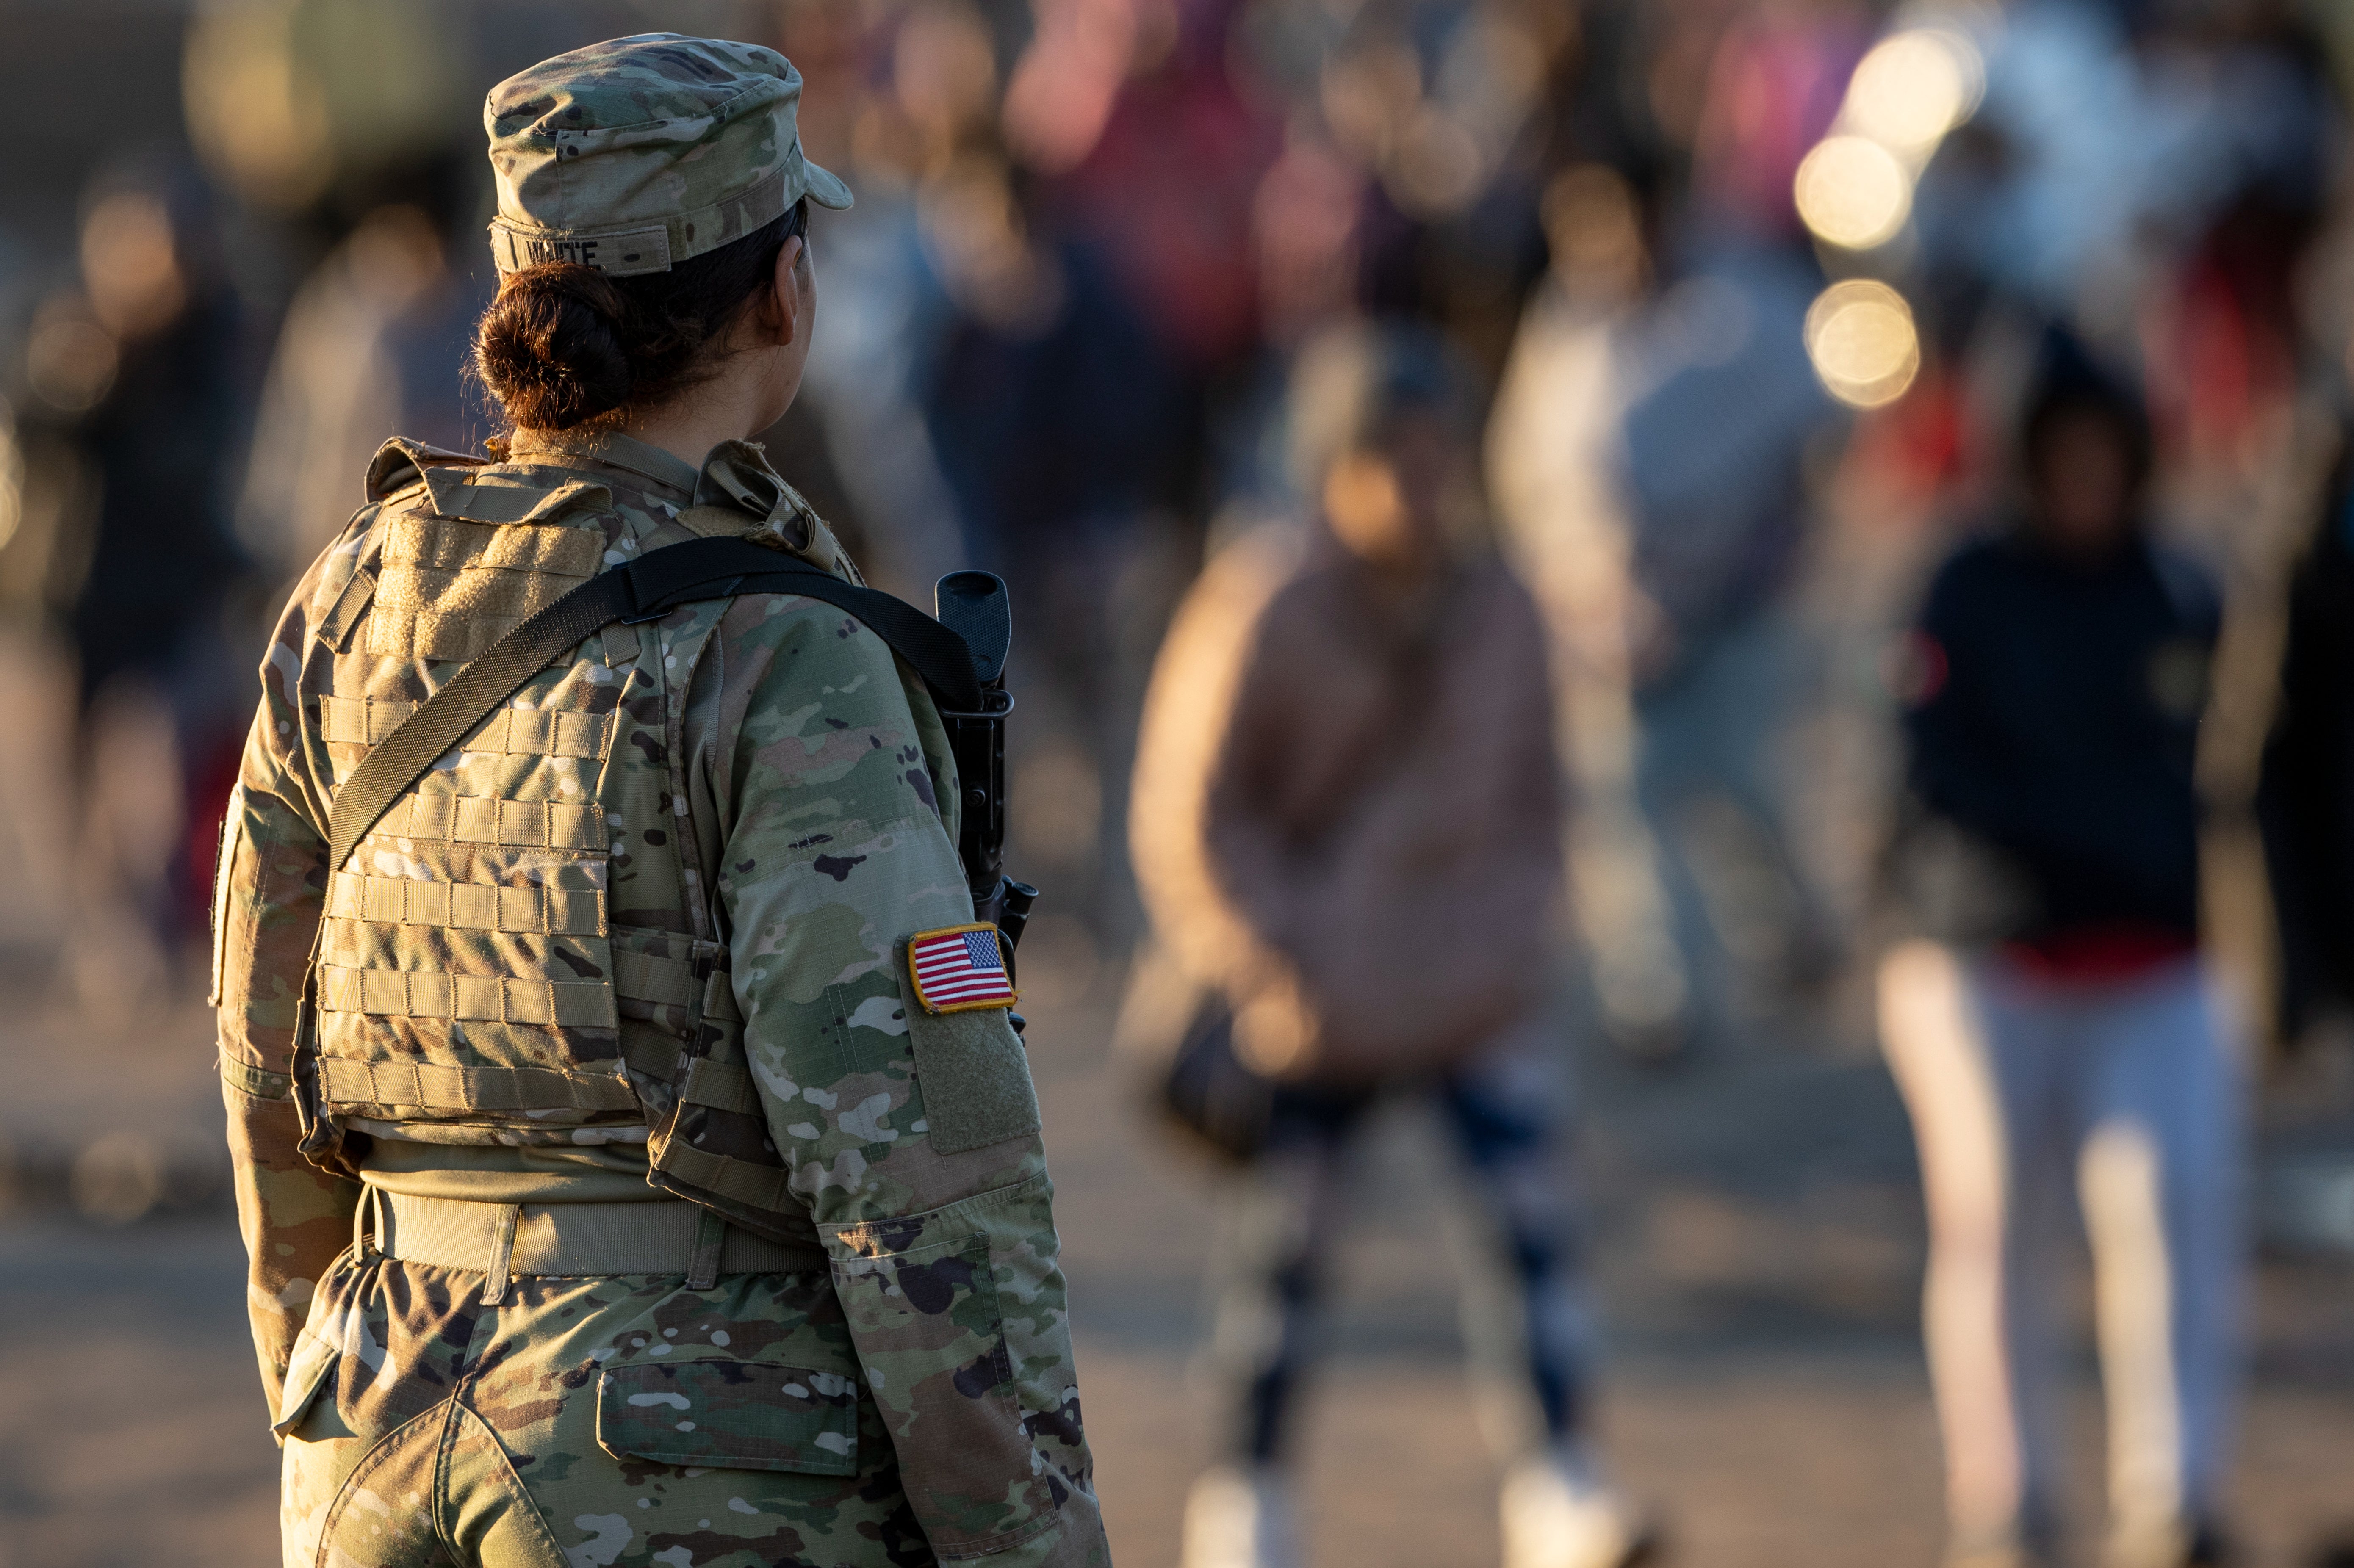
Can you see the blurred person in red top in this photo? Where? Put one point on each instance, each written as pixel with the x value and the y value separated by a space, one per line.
pixel 1346 827
pixel 1147 151
pixel 2050 1023
pixel 1168 185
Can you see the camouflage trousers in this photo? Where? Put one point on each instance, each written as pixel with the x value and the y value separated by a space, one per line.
pixel 606 1422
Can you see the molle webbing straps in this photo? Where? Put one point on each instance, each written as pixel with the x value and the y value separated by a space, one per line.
pixel 350 605
pixel 434 1087
pixel 645 590
pixel 371 721
pixel 466 998
pixel 467 906
pixel 489 819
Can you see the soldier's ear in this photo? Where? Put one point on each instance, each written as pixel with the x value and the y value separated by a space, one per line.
pixel 786 307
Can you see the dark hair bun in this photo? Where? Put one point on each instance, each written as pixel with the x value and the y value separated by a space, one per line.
pixel 551 347
pixel 564 343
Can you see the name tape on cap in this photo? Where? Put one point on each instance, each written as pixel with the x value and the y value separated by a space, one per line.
pixel 616 251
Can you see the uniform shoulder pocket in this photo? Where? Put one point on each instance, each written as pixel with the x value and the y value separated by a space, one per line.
pixel 730 1416
pixel 972 1073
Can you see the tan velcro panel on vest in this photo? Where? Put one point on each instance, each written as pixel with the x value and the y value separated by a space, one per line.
pixel 480 495
pixel 490 998
pixel 450 590
pixel 467 906
pixel 438 1087
pixel 487 820
pixel 529 732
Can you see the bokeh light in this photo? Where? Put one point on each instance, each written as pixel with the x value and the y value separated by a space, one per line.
pixel 1437 169
pixel 1860 336
pixel 1914 88
pixel 71 362
pixel 1853 193
pixel 254 116
pixel 286 97
pixel 130 262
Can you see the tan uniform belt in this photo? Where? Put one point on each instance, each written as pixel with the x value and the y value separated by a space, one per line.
pixel 503 1240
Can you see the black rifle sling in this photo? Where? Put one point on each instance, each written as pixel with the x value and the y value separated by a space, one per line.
pixel 645 590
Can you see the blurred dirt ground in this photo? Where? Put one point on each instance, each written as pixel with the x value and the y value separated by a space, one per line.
pixel 1756 1241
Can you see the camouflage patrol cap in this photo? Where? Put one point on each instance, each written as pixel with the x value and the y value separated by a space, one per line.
pixel 633 155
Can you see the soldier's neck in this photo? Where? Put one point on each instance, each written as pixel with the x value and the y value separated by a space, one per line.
pixel 749 394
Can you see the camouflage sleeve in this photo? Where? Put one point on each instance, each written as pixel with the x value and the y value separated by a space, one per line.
pixel 273 864
pixel 913 1140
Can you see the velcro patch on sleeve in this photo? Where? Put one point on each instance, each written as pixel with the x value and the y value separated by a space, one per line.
pixel 959 968
pixel 972 1076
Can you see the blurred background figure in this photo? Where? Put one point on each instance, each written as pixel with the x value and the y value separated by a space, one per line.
pixel 366 347
pixel 2052 1023
pixel 1715 440
pixel 1553 470
pixel 1723 413
pixel 129 440
pixel 1346 827
pixel 1649 459
pixel 2307 781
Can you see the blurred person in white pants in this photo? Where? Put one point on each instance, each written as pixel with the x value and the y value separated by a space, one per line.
pixel 2127 1093
pixel 2054 1027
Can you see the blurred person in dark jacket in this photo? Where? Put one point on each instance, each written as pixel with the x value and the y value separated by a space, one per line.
pixel 1346 826
pixel 2306 804
pixel 2049 1017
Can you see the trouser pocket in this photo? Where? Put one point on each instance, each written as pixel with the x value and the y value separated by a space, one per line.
pixel 327 1332
pixel 730 1414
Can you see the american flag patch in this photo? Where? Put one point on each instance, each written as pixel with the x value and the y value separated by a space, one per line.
pixel 958 969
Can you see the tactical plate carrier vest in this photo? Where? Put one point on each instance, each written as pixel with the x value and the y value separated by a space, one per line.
pixel 522 951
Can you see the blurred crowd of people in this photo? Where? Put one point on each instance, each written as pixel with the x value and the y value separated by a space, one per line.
pixel 1721 324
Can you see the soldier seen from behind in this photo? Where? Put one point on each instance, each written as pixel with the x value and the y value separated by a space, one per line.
pixel 635 1158
pixel 1346 823
pixel 2049 1016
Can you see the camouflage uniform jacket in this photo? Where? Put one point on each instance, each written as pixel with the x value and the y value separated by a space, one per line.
pixel 719 828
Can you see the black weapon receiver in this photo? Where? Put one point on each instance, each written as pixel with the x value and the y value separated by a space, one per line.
pixel 974 606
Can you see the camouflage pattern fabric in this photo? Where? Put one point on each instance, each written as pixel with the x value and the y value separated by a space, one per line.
pixel 617 1421
pixel 633 155
pixel 772 798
